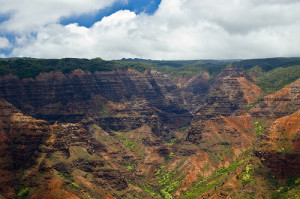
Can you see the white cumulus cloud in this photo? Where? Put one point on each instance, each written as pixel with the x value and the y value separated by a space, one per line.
pixel 30 15
pixel 179 29
pixel 4 43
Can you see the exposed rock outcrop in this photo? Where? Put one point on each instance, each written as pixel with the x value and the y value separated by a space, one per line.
pixel 219 131
pixel 279 104
pixel 69 98
pixel 228 95
pixel 20 140
pixel 279 147
pixel 34 153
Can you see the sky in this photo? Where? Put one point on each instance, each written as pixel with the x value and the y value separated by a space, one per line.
pixel 150 29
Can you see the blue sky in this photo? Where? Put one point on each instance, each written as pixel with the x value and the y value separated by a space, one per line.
pixel 137 6
pixel 150 29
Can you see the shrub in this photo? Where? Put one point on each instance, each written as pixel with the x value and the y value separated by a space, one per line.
pixel 23 193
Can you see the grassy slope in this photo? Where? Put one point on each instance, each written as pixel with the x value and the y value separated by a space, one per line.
pixel 271 74
pixel 278 78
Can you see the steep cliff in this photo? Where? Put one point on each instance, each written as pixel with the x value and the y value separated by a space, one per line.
pixel 279 104
pixel 55 96
pixel 229 94
pixel 227 99
pixel 21 137
pixel 279 146
pixel 118 100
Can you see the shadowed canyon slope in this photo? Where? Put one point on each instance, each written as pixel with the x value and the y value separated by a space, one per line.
pixel 121 133
pixel 279 147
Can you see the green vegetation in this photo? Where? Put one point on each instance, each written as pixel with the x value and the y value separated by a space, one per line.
pixel 23 193
pixel 278 78
pixel 206 167
pixel 255 71
pixel 65 176
pixel 169 184
pixel 249 106
pixel 284 142
pixel 178 63
pixel 57 157
pixel 130 143
pixel 206 184
pixel 272 74
pixel 171 63
pixel 171 141
pixel 247 152
pixel 70 181
pixel 191 70
pixel 227 150
pixel 150 190
pixel 104 111
pixel 130 166
pixel 259 129
pixel 214 158
pixel 126 141
pixel 255 181
pixel 186 68
pixel 267 64
pixel 78 152
pixel 220 157
pixel 30 67
pixel 170 156
pixel 74 184
pixel 168 181
pixel 147 188
pixel 182 129
pixel 288 190
pixel 247 175
pixel 160 170
pixel 272 180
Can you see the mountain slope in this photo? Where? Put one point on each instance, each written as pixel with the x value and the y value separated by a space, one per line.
pixel 119 133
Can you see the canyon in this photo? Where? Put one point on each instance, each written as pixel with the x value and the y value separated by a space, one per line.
pixel 124 133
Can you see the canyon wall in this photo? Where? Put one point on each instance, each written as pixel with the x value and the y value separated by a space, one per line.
pixel 114 134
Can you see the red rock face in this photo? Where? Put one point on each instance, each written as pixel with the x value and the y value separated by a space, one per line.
pixel 34 153
pixel 220 134
pixel 279 104
pixel 250 90
pixel 228 95
pixel 194 91
pixel 279 147
pixel 20 137
pixel 118 100
pixel 69 98
pixel 220 118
